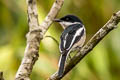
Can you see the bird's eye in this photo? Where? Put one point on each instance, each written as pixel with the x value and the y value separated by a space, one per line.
pixel 67 19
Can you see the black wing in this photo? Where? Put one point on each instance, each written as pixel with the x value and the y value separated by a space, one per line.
pixel 67 37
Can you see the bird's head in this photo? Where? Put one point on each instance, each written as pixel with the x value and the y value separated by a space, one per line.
pixel 68 20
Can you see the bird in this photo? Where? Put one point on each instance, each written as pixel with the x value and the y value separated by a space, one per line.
pixel 73 36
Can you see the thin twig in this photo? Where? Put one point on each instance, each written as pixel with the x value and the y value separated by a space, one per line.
pixel 34 36
pixel 53 39
pixel 109 26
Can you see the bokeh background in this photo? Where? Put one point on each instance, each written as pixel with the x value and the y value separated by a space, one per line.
pixel 102 63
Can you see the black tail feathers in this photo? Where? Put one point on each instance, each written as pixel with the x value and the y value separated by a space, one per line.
pixel 61 64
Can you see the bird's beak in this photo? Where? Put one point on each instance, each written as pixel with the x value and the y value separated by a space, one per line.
pixel 57 20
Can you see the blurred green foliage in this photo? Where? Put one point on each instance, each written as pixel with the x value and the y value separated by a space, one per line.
pixel 103 62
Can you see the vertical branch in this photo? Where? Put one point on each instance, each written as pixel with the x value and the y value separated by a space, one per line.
pixel 33 41
pixel 1 76
pixel 34 36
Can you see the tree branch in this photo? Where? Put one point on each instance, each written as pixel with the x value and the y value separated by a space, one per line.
pixel 1 76
pixel 109 26
pixel 34 36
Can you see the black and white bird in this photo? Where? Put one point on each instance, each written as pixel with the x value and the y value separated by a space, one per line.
pixel 74 35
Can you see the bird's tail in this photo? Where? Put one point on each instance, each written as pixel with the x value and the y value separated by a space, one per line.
pixel 61 64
